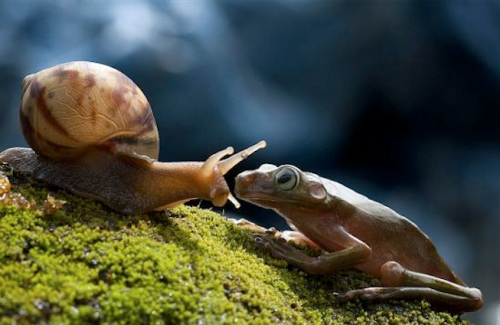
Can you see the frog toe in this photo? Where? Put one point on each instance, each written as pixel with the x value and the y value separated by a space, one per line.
pixel 368 294
pixel 263 241
pixel 260 241
pixel 278 248
pixel 348 296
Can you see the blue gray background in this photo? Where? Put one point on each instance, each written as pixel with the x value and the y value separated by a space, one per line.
pixel 399 100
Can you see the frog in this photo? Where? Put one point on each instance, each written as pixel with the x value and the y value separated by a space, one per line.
pixel 351 231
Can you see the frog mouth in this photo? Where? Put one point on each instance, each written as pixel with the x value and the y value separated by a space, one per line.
pixel 251 196
pixel 262 199
pixel 266 203
pixel 257 199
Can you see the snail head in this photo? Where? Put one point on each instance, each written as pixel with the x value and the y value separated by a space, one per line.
pixel 214 166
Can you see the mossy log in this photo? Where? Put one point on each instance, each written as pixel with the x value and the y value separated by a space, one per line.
pixel 85 264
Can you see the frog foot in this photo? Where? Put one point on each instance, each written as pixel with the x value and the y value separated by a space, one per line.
pixel 368 294
pixel 276 246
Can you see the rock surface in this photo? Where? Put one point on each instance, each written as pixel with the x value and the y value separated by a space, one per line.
pixel 83 263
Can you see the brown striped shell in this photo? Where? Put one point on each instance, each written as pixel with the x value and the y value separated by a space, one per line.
pixel 73 107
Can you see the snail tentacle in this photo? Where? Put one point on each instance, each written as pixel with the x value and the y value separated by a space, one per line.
pixel 227 164
pixel 209 166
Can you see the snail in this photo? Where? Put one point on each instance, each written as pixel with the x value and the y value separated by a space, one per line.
pixel 92 132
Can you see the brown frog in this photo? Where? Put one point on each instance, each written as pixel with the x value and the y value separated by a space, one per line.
pixel 353 232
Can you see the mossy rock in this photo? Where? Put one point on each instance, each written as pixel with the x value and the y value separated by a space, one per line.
pixel 85 264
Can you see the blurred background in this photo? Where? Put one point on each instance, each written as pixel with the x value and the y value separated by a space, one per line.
pixel 399 100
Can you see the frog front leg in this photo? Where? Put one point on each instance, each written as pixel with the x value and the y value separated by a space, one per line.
pixel 290 236
pixel 401 283
pixel 299 239
pixel 354 253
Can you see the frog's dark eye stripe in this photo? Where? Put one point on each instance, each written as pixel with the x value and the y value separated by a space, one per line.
pixel 287 179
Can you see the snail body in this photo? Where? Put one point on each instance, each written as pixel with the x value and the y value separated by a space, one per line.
pixel 93 133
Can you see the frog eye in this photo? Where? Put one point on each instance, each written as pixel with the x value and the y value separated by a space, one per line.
pixel 287 179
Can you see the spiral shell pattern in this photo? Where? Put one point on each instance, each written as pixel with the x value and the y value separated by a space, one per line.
pixel 73 107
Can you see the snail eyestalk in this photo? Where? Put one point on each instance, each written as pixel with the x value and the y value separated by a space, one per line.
pixel 209 165
pixel 227 164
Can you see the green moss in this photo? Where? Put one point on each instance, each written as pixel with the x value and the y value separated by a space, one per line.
pixel 87 264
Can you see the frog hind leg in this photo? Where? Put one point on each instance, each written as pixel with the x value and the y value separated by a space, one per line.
pixel 401 283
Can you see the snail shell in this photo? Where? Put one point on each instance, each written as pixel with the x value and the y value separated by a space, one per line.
pixel 73 106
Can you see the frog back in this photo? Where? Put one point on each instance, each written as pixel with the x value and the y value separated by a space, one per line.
pixel 391 236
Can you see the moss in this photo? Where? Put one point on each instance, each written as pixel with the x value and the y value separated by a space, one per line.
pixel 87 264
